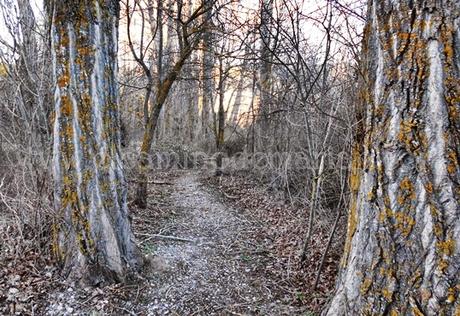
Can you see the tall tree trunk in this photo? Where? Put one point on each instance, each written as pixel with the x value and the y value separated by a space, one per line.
pixel 163 91
pixel 94 242
pixel 220 122
pixel 265 71
pixel 35 105
pixel 159 29
pixel 234 117
pixel 28 57
pixel 402 254
pixel 206 76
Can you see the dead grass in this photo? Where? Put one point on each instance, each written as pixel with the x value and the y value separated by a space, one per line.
pixel 27 272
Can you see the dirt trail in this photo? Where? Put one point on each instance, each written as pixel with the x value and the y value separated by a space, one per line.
pixel 219 273
pixel 219 270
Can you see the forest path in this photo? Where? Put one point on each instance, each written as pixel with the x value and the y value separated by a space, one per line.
pixel 204 258
pixel 220 272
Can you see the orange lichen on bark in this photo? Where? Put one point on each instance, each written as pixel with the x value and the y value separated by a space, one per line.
pixel 371 195
pixel 355 179
pixel 86 50
pixel 68 131
pixel 452 162
pixel 407 192
pixel 404 223
pixel 416 311
pixel 394 312
pixel 451 295
pixel 387 294
pixel 446 247
pixel 429 187
pixel 66 106
pixel 64 40
pixel 63 81
pixel 365 285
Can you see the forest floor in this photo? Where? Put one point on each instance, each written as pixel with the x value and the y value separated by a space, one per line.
pixel 221 270
pixel 215 246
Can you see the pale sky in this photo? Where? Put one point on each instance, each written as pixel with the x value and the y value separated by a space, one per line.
pixel 313 31
pixel 313 8
pixel 37 7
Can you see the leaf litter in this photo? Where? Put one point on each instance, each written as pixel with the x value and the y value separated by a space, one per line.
pixel 239 256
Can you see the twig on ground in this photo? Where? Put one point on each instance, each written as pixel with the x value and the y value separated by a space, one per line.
pixel 229 196
pixel 158 236
pixel 161 183
pixel 155 182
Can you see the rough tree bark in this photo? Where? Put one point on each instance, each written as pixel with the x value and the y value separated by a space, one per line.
pixel 402 253
pixel 94 241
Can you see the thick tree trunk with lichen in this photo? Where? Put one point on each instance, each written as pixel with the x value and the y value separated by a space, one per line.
pixel 402 254
pixel 94 240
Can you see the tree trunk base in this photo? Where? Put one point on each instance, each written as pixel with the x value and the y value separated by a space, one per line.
pixel 141 195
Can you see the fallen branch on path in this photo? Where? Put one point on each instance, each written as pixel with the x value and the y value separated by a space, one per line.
pixel 230 196
pixel 255 252
pixel 158 236
pixel 161 183
pixel 154 182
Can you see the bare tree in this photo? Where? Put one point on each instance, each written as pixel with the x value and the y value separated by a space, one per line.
pixel 25 137
pixel 206 75
pixel 189 31
pixel 265 71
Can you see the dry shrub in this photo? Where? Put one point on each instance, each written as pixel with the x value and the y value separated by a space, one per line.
pixel 25 230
